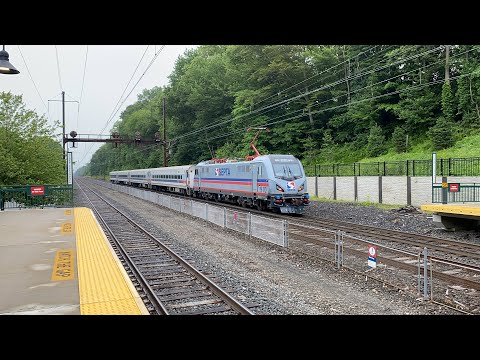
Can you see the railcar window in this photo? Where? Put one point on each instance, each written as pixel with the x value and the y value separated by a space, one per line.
pixel 287 170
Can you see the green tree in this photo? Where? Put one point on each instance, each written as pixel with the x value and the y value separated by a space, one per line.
pixel 442 134
pixel 28 152
pixel 448 102
pixel 376 141
pixel 310 152
pixel 468 86
pixel 399 138
pixel 328 146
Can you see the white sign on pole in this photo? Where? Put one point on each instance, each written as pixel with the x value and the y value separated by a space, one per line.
pixel 69 169
pixel 372 256
pixel 434 168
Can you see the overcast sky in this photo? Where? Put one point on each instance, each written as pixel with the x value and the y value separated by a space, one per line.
pixel 108 71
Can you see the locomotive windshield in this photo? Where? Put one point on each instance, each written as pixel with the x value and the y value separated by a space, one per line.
pixel 287 171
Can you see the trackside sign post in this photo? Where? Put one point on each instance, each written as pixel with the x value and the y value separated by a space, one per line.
pixel 372 256
pixel 69 169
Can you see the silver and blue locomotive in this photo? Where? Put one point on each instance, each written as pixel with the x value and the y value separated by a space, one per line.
pixel 268 182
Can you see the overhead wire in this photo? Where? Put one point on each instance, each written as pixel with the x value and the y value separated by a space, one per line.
pixel 355 76
pixel 266 109
pixel 83 83
pixel 340 106
pixel 31 78
pixel 353 91
pixel 316 75
pixel 313 76
pixel 329 85
pixel 119 99
pixel 334 107
pixel 112 116
pixel 126 97
pixel 58 69
pixel 124 90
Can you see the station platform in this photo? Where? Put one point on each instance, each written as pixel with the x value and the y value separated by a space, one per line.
pixel 454 216
pixel 58 261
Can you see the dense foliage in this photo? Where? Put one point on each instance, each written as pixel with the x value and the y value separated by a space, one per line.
pixel 322 103
pixel 28 152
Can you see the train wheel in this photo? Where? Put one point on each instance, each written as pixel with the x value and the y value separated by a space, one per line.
pixel 261 205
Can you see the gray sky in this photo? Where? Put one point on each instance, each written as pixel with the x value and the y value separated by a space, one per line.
pixel 108 71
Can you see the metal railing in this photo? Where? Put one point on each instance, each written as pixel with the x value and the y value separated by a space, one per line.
pixel 27 196
pixel 445 167
pixel 465 193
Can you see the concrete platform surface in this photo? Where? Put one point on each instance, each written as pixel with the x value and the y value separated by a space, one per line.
pixel 58 261
pixel 32 281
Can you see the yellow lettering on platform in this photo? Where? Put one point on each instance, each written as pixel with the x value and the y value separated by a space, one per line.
pixel 67 228
pixel 68 212
pixel 63 268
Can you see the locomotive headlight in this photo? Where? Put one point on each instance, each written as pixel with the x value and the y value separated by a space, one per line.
pixel 301 187
pixel 279 188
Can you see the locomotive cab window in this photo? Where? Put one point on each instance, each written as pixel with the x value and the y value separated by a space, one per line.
pixel 287 171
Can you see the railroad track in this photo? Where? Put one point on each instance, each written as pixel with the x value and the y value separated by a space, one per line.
pixel 449 271
pixel 320 232
pixel 169 283
pixel 418 241
pixel 468 253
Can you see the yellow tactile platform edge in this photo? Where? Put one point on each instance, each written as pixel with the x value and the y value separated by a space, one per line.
pixel 452 209
pixel 104 286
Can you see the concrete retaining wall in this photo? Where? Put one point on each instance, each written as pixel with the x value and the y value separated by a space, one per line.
pixel 394 190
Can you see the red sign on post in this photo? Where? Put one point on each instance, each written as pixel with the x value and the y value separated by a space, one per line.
pixel 37 190
pixel 454 187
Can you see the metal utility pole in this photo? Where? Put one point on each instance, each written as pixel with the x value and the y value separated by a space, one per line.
pixel 165 146
pixel 447 70
pixel 64 137
pixel 63 133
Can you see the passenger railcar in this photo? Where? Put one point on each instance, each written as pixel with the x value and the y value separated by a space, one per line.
pixel 171 179
pixel 120 177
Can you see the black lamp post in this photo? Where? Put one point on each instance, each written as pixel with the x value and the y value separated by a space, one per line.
pixel 5 66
